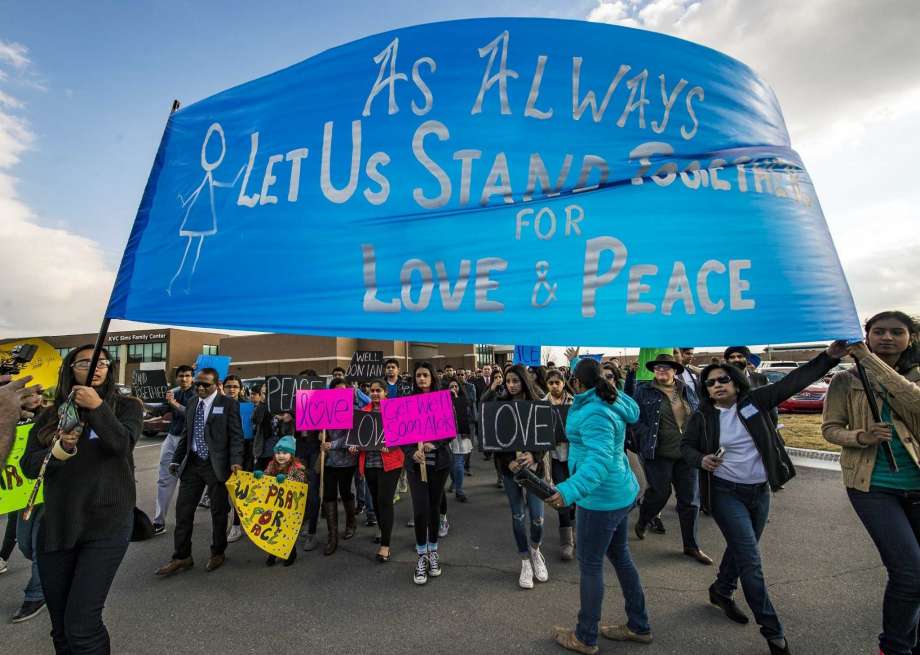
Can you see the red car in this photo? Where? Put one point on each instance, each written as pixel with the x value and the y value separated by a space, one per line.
pixel 808 401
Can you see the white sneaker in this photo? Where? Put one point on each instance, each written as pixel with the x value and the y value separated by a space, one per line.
pixel 443 526
pixel 235 533
pixel 526 579
pixel 539 565
pixel 3 566
pixel 434 564
pixel 421 570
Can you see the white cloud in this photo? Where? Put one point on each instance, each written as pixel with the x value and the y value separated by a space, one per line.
pixel 846 75
pixel 14 54
pixel 51 280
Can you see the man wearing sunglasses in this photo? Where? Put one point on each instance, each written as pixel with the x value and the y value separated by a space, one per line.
pixel 209 451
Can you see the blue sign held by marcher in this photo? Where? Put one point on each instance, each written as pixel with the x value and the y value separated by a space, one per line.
pixel 527 355
pixel 221 363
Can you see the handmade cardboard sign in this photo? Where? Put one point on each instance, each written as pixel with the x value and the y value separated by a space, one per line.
pixel 422 417
pixel 15 487
pixel 560 414
pixel 517 425
pixel 271 514
pixel 281 390
pixel 366 432
pixel 149 386
pixel 365 365
pixel 325 409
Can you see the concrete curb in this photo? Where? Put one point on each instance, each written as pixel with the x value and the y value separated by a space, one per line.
pixel 819 459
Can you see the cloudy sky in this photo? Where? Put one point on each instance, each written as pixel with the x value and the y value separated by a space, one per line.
pixel 85 90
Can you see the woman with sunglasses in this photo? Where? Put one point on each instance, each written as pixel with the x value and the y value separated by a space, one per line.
pixel 518 386
pixel 733 439
pixel 89 499
pixel 886 501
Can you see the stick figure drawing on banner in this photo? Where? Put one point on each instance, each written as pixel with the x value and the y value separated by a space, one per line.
pixel 200 218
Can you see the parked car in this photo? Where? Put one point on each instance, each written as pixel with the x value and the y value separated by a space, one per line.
pixel 765 366
pixel 250 383
pixel 157 417
pixel 808 401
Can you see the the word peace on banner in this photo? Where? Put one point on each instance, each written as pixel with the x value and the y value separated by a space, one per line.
pixel 15 487
pixel 271 514
pixel 559 157
pixel 325 409
pixel 422 417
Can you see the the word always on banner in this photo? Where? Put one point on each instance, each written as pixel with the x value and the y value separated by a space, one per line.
pixel 271 514
pixel 15 487
pixel 507 179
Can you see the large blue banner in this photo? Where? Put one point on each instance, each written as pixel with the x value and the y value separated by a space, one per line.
pixel 495 181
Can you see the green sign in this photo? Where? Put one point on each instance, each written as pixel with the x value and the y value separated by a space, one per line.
pixel 647 355
pixel 15 487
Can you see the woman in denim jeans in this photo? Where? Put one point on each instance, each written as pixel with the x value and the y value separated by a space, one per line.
pixel 518 386
pixel 603 488
pixel 732 438
pixel 886 501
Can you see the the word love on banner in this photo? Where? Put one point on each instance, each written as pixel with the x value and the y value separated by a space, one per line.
pixel 325 409
pixel 15 487
pixel 366 431
pixel 271 514
pixel 517 425
pixel 585 142
pixel 422 417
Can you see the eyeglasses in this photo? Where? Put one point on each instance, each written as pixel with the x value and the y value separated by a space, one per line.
pixel 83 364
pixel 231 386
pixel 722 379
pixel 661 367
pixel 204 385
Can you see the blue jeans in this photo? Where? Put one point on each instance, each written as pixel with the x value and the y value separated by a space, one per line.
pixel 893 521
pixel 662 474
pixel 457 473
pixel 741 512
pixel 602 533
pixel 517 499
pixel 27 538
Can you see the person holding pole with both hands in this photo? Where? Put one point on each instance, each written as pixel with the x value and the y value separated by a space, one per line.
pixel 733 439
pixel 885 493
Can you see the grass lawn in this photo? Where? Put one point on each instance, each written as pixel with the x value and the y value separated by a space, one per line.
pixel 804 431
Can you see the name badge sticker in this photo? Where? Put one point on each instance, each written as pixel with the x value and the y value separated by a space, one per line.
pixel 748 411
pixel 217 410
pixel 92 434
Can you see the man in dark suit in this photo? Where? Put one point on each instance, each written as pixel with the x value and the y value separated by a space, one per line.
pixel 209 451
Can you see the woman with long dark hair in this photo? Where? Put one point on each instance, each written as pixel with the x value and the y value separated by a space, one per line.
pixel 561 394
pixel 89 499
pixel 886 501
pixel 604 490
pixel 519 386
pixel 732 437
pixel 426 496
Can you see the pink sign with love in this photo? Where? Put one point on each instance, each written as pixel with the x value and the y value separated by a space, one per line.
pixel 422 417
pixel 324 409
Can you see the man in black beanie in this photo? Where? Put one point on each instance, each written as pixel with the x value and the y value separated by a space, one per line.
pixel 740 357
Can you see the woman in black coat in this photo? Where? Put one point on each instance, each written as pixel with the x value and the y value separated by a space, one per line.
pixel 89 499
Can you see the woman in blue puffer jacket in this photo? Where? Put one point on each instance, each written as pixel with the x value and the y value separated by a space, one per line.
pixel 604 489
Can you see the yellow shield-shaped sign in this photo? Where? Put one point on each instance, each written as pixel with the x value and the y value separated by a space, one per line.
pixel 271 514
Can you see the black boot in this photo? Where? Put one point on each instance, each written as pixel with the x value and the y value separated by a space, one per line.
pixel 730 607
pixel 291 558
pixel 331 512
pixel 779 650
pixel 351 521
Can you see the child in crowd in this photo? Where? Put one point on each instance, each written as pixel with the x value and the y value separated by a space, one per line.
pixel 284 466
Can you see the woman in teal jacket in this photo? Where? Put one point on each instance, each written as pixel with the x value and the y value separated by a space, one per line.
pixel 604 489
